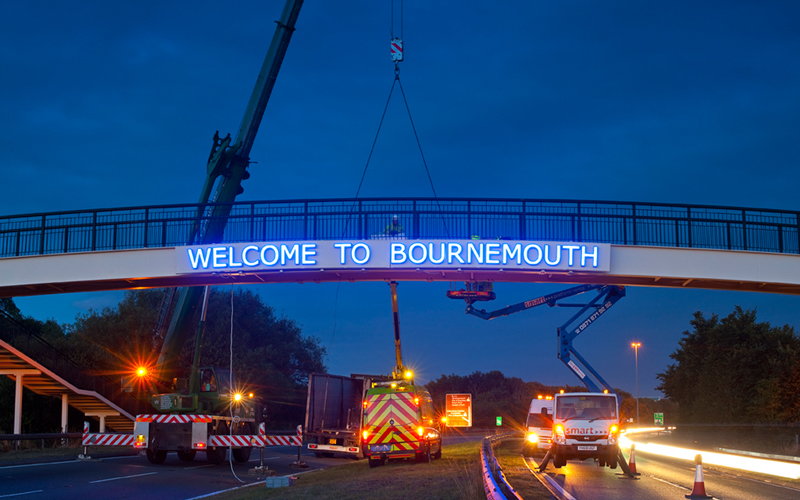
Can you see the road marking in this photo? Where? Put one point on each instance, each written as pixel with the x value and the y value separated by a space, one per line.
pixel 122 477
pixel 762 481
pixel 673 484
pixel 539 475
pixel 224 491
pixel 37 465
pixel 20 494
pixel 199 466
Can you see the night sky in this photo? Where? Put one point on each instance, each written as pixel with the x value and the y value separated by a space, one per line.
pixel 114 104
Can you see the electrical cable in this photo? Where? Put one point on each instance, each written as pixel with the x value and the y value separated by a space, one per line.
pixel 230 427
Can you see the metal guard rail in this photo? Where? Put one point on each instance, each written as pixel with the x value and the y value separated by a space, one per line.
pixel 491 470
pixel 618 223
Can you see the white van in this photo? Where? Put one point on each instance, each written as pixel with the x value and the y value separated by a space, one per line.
pixel 539 426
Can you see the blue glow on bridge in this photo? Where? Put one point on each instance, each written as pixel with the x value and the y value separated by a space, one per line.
pixel 428 254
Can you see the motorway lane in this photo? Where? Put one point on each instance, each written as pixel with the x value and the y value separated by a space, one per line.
pixel 663 478
pixel 133 477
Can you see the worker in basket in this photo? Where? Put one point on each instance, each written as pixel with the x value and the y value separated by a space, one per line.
pixel 394 228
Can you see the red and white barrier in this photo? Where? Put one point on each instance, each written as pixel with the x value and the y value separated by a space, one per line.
pixel 103 439
pixel 173 418
pixel 256 441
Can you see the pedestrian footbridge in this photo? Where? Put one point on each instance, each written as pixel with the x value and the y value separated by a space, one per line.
pixel 454 239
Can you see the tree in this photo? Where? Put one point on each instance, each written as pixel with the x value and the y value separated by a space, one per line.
pixel 734 370
pixel 271 357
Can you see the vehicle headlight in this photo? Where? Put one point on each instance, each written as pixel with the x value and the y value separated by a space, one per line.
pixel 533 438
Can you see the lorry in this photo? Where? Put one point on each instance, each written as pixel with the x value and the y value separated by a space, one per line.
pixel 586 425
pixel 334 411
pixel 399 422
pixel 205 411
pixel 539 426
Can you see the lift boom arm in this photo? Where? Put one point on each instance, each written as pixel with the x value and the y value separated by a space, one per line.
pixel 227 168
pixel 607 296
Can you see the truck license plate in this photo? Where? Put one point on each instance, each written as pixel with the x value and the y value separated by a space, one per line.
pixel 587 448
pixel 380 447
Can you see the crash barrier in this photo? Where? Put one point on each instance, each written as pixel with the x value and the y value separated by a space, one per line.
pixel 494 481
pixel 16 438
pixel 260 440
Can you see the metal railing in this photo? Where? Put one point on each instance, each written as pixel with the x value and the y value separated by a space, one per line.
pixel 619 223
pixel 60 364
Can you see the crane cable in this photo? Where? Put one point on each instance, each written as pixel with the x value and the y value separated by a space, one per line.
pixel 413 127
pixel 232 379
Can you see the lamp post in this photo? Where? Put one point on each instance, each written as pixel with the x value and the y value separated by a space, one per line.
pixel 636 346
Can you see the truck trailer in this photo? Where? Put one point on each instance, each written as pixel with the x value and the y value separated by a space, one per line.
pixel 334 410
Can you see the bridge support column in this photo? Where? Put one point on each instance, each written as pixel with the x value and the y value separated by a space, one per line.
pixel 18 374
pixel 102 415
pixel 64 412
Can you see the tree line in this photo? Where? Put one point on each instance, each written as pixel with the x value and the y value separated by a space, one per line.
pixel 271 356
pixel 735 370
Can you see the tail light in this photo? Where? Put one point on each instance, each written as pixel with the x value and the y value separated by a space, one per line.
pixel 365 435
pixel 421 431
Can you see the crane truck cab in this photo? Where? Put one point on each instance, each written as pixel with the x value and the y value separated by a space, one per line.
pixel 399 423
pixel 586 425
pixel 539 426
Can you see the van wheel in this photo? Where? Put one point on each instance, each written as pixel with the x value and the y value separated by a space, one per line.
pixel 374 463
pixel 438 454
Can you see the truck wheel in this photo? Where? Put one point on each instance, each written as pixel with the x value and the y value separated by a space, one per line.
pixel 186 456
pixel 242 455
pixel 216 455
pixel 613 463
pixel 156 457
pixel 559 462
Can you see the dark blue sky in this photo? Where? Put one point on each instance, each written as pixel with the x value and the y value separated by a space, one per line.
pixel 114 104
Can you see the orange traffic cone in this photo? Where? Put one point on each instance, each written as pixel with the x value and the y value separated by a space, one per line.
pixel 699 489
pixel 632 461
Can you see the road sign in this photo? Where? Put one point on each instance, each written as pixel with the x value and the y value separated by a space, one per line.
pixel 458 410
pixel 499 421
pixel 659 418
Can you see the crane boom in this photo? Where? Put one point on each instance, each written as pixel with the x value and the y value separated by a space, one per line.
pixel 226 168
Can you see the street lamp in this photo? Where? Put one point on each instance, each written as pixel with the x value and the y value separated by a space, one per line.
pixel 636 346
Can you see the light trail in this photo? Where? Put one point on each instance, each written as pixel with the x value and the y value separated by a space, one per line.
pixel 770 467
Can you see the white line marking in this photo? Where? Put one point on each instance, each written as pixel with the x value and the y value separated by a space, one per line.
pixel 20 494
pixel 37 465
pixel 224 491
pixel 199 466
pixel 770 483
pixel 672 484
pixel 122 477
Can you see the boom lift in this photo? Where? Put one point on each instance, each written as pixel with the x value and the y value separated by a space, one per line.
pixel 594 432
pixel 607 296
pixel 210 391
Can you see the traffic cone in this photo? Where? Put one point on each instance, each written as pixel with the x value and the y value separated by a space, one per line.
pixel 699 489
pixel 632 461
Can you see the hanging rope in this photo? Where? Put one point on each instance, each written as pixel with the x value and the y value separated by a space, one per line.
pixel 413 128
pixel 230 427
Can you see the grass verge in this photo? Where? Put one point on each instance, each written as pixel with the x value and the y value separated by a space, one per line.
pixel 455 476
pixel 508 455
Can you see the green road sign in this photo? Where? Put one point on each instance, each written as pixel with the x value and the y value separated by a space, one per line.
pixel 659 418
pixel 499 421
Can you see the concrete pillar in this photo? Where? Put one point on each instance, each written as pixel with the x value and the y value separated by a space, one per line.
pixel 102 415
pixel 64 412
pixel 18 374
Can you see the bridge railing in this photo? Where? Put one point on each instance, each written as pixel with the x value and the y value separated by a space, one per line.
pixel 619 223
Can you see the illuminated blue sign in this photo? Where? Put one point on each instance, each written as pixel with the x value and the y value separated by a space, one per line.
pixel 413 254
